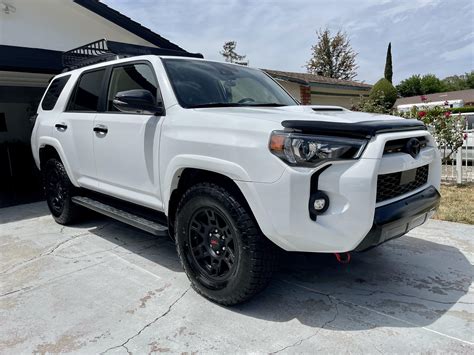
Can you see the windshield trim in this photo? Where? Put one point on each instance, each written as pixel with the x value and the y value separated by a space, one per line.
pixel 164 60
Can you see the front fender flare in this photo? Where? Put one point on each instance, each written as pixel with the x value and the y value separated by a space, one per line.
pixel 215 165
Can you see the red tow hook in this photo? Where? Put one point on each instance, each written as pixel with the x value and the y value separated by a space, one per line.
pixel 343 258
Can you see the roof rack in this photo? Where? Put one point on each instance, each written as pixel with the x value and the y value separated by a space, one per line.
pixel 104 50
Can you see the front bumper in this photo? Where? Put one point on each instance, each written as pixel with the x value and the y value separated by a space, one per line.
pixel 281 207
pixel 397 218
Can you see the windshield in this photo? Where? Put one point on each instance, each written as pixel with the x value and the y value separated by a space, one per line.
pixel 199 83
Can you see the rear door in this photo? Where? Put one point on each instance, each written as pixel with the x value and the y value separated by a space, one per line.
pixel 74 127
pixel 126 145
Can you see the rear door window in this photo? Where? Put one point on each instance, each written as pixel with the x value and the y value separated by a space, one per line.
pixel 54 90
pixel 87 92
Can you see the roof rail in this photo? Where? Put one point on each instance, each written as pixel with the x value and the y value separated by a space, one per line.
pixel 104 50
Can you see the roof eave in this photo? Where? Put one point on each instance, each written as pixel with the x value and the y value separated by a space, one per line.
pixel 127 23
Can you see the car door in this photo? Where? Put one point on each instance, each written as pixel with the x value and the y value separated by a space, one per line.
pixel 74 126
pixel 126 145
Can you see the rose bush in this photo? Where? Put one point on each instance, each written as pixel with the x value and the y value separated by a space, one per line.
pixel 446 128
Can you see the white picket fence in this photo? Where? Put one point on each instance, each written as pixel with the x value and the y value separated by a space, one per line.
pixel 460 167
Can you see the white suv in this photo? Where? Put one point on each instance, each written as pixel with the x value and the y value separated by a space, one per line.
pixel 223 159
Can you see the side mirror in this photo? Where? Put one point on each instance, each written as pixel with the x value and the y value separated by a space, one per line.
pixel 138 101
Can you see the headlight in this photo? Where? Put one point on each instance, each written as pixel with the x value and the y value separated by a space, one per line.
pixel 309 150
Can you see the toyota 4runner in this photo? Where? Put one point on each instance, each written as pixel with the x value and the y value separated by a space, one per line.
pixel 220 157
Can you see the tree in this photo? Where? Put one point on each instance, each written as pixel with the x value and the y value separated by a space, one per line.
pixel 388 73
pixel 410 86
pixel 455 83
pixel 469 79
pixel 431 84
pixel 332 56
pixel 230 55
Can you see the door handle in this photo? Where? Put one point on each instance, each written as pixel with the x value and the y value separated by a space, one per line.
pixel 61 127
pixel 100 128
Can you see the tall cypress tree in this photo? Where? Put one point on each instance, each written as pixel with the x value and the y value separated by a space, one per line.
pixel 388 64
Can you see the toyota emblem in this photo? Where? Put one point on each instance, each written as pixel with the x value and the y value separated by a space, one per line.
pixel 413 147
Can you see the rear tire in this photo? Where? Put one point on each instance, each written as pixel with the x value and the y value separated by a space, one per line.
pixel 221 248
pixel 59 191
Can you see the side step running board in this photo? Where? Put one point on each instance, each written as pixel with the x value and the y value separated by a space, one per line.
pixel 122 216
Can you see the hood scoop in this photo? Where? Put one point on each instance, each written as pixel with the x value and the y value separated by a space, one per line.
pixel 327 109
pixel 364 129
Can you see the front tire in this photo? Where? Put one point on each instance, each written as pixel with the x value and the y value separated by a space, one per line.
pixel 223 252
pixel 59 191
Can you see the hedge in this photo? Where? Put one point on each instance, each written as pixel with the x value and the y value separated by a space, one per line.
pixel 461 109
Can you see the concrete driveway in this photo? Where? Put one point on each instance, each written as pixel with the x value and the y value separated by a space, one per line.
pixel 104 287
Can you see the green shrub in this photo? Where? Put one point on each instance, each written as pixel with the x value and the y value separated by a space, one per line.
pixel 373 104
pixel 383 93
pixel 461 109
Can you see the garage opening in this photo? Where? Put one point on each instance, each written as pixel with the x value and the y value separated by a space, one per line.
pixel 20 94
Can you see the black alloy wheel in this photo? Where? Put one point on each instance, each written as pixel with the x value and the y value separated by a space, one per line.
pixel 223 252
pixel 212 247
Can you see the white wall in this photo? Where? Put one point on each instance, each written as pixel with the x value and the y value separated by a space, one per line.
pixel 58 25
pixel 343 101
pixel 292 88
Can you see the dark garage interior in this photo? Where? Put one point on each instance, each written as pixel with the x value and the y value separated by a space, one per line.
pixel 24 76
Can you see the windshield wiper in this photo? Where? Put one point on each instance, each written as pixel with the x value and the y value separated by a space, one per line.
pixel 216 104
pixel 234 104
pixel 269 104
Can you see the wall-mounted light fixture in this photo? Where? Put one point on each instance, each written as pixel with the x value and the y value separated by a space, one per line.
pixel 7 8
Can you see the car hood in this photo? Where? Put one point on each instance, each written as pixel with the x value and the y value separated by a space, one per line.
pixel 301 113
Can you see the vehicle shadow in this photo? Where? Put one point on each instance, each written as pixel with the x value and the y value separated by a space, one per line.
pixel 408 282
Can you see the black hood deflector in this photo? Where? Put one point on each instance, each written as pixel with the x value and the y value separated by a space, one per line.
pixel 364 129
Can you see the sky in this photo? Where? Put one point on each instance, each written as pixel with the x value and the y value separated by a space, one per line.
pixel 428 36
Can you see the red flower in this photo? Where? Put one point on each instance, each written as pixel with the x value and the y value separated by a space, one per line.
pixel 447 114
pixel 465 136
pixel 421 114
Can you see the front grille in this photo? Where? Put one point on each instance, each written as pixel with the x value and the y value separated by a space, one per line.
pixel 396 184
pixel 398 145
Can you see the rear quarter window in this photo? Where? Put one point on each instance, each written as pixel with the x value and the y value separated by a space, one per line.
pixel 54 90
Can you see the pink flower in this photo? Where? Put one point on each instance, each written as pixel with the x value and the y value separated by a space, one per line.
pixel 447 114
pixel 421 114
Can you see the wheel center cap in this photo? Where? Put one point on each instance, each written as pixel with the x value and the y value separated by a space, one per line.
pixel 214 242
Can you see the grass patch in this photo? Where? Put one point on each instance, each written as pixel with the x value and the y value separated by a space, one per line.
pixel 457 204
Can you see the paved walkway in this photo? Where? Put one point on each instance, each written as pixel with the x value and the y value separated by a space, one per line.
pixel 104 287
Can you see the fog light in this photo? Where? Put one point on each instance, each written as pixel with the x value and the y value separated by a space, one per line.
pixel 318 203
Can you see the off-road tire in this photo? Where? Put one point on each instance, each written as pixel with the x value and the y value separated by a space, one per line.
pixel 256 255
pixel 58 192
